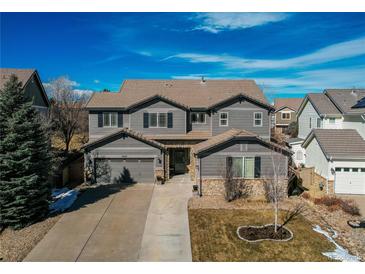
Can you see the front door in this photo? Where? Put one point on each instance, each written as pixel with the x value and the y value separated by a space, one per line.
pixel 179 160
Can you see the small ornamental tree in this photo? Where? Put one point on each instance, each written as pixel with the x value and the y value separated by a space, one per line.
pixel 25 159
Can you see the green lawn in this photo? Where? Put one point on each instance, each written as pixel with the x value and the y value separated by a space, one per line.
pixel 214 238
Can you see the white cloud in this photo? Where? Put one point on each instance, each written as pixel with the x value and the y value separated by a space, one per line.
pixel 220 21
pixel 144 53
pixel 316 80
pixel 83 92
pixel 96 81
pixel 330 53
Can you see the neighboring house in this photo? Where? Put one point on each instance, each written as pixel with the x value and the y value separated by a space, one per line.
pixel 335 111
pixel 338 155
pixel 161 128
pixel 332 109
pixel 32 85
pixel 286 112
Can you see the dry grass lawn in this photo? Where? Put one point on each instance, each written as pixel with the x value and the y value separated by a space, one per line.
pixel 214 238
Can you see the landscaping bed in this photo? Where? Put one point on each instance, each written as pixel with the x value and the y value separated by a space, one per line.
pixel 16 244
pixel 214 238
pixel 264 232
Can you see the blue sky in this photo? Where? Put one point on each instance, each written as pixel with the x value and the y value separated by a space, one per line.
pixel 288 54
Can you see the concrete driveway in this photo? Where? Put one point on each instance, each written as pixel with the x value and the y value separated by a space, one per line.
pixel 141 222
pixel 105 224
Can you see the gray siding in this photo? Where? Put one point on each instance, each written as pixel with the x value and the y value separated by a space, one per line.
pixel 303 120
pixel 214 164
pixel 179 119
pixel 96 132
pixel 241 115
pixel 34 91
pixel 126 147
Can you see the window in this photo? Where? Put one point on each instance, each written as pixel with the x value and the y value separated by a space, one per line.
pixel 110 119
pixel 243 167
pixel 318 122
pixel 223 119
pixel 157 120
pixel 362 169
pixel 310 122
pixel 355 169
pixel 198 118
pixel 332 120
pixel 346 169
pixel 286 115
pixel 299 155
pixel 257 119
pixel 338 169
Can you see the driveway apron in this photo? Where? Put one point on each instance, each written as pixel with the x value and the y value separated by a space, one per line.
pixel 105 224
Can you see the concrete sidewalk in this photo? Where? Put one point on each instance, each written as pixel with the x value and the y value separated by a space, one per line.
pixel 105 224
pixel 166 236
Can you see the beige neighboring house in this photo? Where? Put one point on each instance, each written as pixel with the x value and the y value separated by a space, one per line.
pixel 32 84
pixel 286 112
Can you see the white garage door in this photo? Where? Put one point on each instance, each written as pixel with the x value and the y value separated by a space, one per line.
pixel 350 180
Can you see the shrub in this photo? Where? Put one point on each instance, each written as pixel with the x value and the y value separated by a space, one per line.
pixel 335 203
pixel 350 207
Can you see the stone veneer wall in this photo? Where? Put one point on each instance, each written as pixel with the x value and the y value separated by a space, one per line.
pixel 216 187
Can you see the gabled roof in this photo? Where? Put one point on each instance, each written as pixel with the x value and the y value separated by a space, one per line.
pixel 346 99
pixel 229 135
pixel 345 144
pixel 24 75
pixel 292 103
pixel 191 93
pixel 321 103
pixel 136 135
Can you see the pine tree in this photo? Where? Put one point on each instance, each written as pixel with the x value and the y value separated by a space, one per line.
pixel 24 159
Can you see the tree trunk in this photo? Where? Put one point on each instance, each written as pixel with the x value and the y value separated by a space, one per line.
pixel 276 218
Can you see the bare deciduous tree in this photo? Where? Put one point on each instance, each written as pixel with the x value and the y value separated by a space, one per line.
pixel 234 188
pixel 276 184
pixel 67 109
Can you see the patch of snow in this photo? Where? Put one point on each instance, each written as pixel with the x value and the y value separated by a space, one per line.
pixel 63 198
pixel 340 253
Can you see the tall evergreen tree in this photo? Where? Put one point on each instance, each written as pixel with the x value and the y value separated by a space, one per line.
pixel 24 159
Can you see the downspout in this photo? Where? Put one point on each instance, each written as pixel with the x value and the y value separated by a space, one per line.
pixel 200 178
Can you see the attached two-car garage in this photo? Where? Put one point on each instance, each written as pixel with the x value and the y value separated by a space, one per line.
pixel 125 157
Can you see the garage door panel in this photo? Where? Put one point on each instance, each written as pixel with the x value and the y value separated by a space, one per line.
pixel 350 182
pixel 130 170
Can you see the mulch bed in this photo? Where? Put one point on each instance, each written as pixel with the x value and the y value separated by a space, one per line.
pixel 267 232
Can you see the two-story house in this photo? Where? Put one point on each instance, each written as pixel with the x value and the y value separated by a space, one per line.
pixel 285 112
pixel 331 137
pixel 161 128
pixel 32 85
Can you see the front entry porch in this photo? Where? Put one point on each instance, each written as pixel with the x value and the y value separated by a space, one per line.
pixel 179 160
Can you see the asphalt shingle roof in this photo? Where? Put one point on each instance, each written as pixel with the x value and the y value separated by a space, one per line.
pixel 190 93
pixel 345 99
pixel 22 74
pixel 323 104
pixel 230 135
pixel 339 143
pixel 293 103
